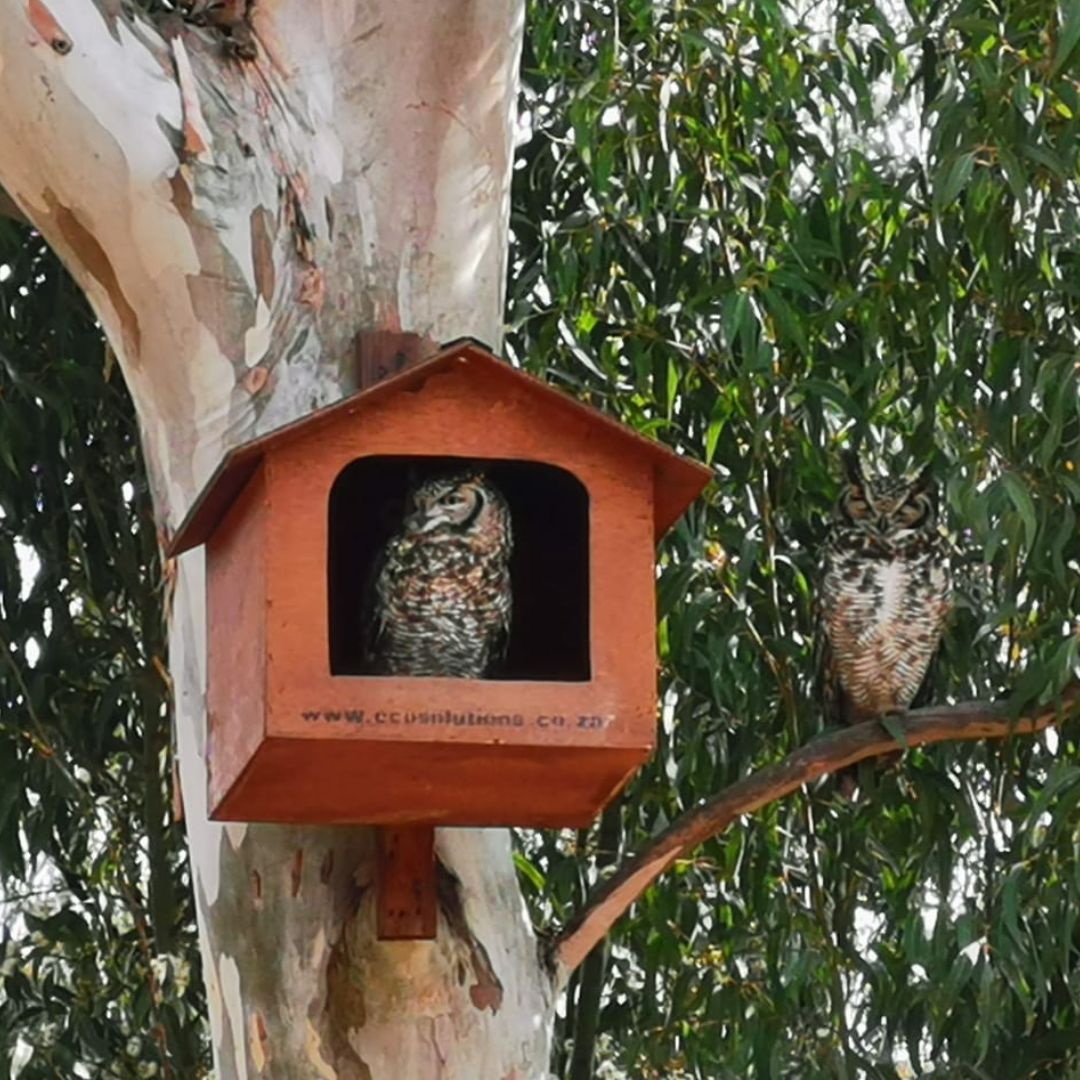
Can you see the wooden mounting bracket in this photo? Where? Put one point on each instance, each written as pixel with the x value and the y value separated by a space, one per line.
pixel 383 353
pixel 405 883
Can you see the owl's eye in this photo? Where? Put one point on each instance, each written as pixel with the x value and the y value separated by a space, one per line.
pixel 914 512
pixel 856 506
pixel 449 499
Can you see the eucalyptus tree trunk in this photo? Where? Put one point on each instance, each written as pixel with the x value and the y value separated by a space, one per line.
pixel 252 206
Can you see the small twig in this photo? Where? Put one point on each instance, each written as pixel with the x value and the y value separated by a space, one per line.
pixel 131 896
pixel 828 754
pixel 39 737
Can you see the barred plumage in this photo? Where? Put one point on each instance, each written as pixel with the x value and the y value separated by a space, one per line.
pixel 442 599
pixel 885 593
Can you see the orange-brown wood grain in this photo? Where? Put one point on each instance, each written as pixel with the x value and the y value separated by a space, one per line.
pixel 310 782
pixel 406 902
pixel 236 637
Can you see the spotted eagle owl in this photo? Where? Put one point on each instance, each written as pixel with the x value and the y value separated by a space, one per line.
pixel 441 599
pixel 885 593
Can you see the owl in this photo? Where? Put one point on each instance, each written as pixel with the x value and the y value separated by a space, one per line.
pixel 441 599
pixel 885 593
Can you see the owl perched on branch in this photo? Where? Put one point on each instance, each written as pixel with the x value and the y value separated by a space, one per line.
pixel 441 600
pixel 885 593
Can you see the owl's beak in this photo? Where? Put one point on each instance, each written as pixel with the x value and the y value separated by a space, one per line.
pixel 423 521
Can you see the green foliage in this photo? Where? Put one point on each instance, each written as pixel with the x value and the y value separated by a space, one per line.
pixel 763 241
pixel 98 957
pixel 722 238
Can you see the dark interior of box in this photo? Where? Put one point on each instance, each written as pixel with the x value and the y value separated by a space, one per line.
pixel 549 568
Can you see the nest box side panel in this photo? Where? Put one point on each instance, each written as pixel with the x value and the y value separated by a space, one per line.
pixel 236 637
pixel 298 632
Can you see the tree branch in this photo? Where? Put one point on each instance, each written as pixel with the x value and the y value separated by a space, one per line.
pixel 828 754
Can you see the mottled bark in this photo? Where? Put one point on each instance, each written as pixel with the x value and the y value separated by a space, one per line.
pixel 244 229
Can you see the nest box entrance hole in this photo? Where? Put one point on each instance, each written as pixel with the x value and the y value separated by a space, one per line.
pixel 549 567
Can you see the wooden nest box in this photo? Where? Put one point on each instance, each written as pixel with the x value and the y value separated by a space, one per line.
pixel 293 524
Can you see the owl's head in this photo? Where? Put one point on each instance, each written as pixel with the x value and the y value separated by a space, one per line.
pixel 887 506
pixel 464 503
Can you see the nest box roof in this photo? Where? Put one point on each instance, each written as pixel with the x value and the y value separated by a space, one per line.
pixel 677 480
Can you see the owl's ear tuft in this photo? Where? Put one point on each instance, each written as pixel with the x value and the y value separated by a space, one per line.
pixel 924 482
pixel 853 468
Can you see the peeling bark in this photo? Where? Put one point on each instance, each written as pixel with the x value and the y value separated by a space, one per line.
pixel 256 227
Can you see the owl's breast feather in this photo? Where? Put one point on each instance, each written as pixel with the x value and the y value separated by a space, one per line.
pixel 884 618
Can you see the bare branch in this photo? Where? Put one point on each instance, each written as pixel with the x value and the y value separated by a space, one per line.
pixel 828 754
